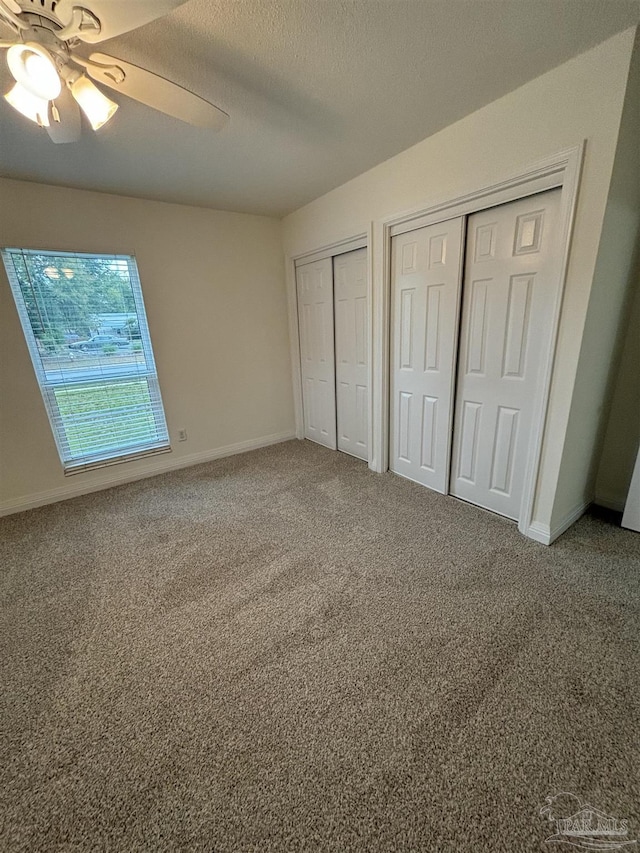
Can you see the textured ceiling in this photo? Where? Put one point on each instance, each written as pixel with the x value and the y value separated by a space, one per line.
pixel 318 91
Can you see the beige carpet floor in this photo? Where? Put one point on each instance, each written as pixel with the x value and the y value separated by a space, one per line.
pixel 283 651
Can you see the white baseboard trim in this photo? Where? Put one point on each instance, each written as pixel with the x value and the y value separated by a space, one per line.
pixel 543 532
pixel 569 519
pixel 615 502
pixel 539 532
pixel 65 492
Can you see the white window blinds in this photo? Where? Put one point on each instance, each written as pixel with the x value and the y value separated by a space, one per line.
pixel 86 328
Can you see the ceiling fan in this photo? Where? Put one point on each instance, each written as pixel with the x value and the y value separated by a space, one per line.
pixel 52 80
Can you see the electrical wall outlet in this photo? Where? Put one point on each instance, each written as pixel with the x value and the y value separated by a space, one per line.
pixel 182 435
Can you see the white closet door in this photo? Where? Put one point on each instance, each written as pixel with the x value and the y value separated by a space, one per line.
pixel 426 274
pixel 352 372
pixel 315 316
pixel 512 258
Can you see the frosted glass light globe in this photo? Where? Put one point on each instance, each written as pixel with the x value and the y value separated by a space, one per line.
pixel 33 67
pixel 44 75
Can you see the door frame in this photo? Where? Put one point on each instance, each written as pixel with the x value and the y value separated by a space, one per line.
pixel 330 250
pixel 560 170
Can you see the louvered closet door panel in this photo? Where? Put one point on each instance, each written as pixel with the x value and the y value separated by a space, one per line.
pixel 352 370
pixel 512 258
pixel 317 358
pixel 426 273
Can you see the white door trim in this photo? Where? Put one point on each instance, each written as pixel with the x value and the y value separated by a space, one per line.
pixel 338 247
pixel 560 170
pixel 501 193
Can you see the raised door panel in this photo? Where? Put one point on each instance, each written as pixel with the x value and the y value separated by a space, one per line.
pixel 428 432
pixel 511 261
pixel 426 271
pixel 468 444
pixel 517 325
pixel 504 444
pixel 317 359
pixel 351 345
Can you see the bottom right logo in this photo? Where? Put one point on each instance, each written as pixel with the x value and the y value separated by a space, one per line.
pixel 584 826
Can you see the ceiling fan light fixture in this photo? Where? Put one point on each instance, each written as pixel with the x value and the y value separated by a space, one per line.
pixel 93 103
pixel 34 108
pixel 53 76
pixel 32 66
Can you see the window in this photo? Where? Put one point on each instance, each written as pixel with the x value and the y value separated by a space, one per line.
pixel 86 328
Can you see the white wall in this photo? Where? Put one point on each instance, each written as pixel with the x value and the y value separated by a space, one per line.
pixel 213 285
pixel 581 99
pixel 614 280
pixel 623 430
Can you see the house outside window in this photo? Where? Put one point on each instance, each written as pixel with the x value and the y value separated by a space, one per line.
pixel 86 328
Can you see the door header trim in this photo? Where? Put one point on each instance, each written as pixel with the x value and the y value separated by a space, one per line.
pixel 332 250
pixel 546 176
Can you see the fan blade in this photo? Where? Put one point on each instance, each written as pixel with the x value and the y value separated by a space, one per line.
pixel 68 129
pixel 158 93
pixel 9 12
pixel 115 16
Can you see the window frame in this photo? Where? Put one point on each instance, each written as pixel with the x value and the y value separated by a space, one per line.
pixel 76 464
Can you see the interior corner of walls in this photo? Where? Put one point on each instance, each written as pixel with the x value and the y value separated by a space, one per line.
pixel 610 500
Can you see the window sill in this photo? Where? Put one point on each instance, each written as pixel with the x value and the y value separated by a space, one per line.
pixel 82 467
